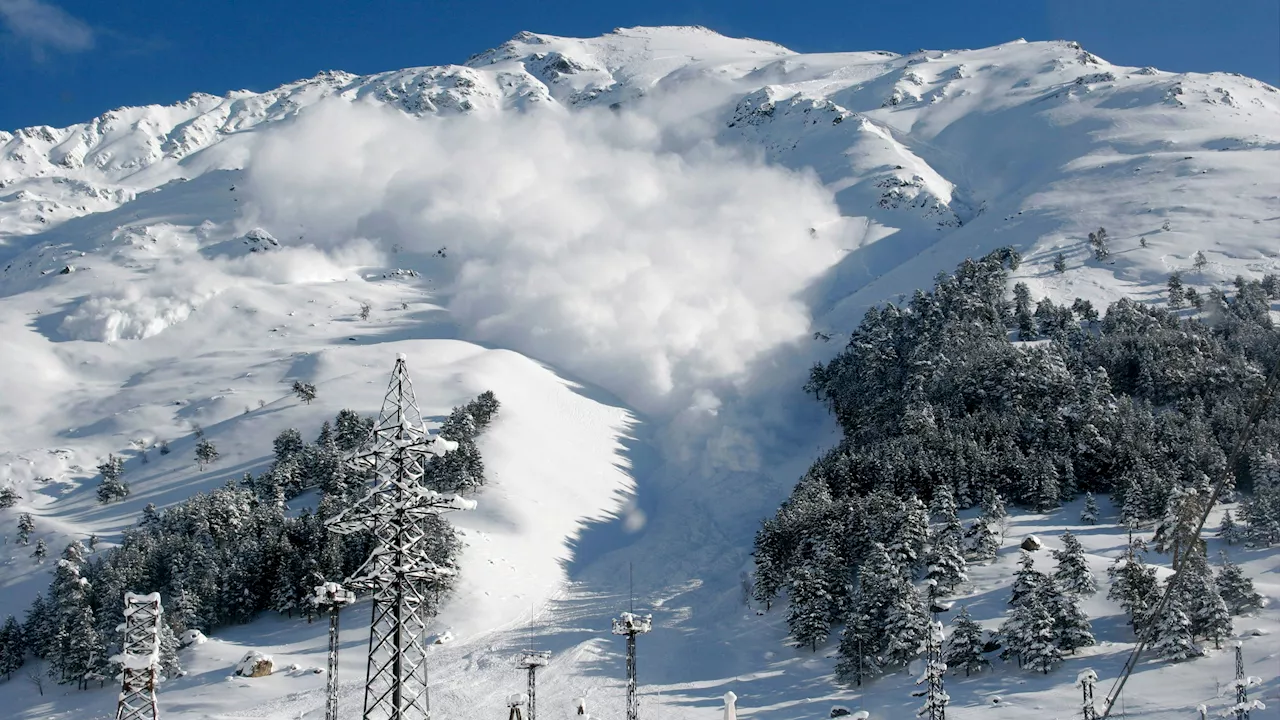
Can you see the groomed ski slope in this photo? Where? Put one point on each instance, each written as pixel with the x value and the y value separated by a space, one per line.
pixel 639 286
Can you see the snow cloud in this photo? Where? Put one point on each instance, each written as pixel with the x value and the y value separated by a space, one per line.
pixel 45 26
pixel 577 238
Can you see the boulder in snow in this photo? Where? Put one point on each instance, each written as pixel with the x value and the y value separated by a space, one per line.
pixel 255 664
pixel 443 638
pixel 1031 542
pixel 840 711
pixel 192 637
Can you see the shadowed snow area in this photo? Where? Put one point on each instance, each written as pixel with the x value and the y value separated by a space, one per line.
pixel 632 240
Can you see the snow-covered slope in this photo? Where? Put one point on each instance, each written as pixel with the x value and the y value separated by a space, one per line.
pixel 631 239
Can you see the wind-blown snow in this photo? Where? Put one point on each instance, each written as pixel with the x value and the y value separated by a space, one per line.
pixel 574 238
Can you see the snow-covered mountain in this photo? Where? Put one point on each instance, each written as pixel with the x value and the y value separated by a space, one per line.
pixel 631 240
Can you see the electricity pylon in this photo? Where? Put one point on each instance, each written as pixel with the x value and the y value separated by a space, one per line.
pixel 139 657
pixel 398 570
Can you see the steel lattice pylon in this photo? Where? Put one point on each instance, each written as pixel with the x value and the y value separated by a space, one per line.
pixel 139 657
pixel 531 660
pixel 631 625
pixel 398 569
pixel 332 597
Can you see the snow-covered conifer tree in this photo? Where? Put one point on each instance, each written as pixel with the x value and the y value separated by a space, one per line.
pixel 965 649
pixel 13 647
pixel 1028 635
pixel 26 526
pixel 1177 295
pixel 1073 573
pixel 170 665
pixel 980 540
pixel 942 508
pixel 113 487
pixel 993 508
pixel 206 453
pixel 864 638
pixel 1089 515
pixel 945 564
pixel 42 550
pixel 1236 589
pixel 1071 627
pixel 1133 584
pixel 906 625
pixel 809 612
pixel 1028 581
pixel 1228 530
pixel 770 575
pixel 1171 634
pixel 912 534
pixel 306 392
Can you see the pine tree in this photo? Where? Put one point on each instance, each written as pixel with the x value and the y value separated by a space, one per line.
pixel 1060 263
pixel 1073 572
pixel 863 641
pixel 41 551
pixel 1071 627
pixel 350 430
pixel 8 497
pixel 306 392
pixel 1204 605
pixel 1098 241
pixel 1028 635
pixel 1200 260
pixel 13 647
pixel 1236 589
pixel 980 541
pixel 1172 636
pixel 206 453
pixel 112 486
pixel 1023 318
pixel 906 625
pixel 810 607
pixel 1176 533
pixel 909 542
pixel 1229 530
pixel 945 564
pixel 965 649
pixel 860 644
pixel 170 664
pixel 1177 296
pixel 26 526
pixel 1133 585
pixel 942 507
pixel 1089 516
pixel 770 575
pixel 1028 581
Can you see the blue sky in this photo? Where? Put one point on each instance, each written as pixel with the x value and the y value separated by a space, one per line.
pixel 65 61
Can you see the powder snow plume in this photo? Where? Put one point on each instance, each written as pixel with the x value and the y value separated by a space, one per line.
pixel 578 239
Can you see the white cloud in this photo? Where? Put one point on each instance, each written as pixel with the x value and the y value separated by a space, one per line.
pixel 576 238
pixel 45 25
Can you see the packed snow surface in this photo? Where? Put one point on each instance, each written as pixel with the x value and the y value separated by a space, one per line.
pixel 638 242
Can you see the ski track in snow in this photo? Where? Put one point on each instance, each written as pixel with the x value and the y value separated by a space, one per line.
pixel 637 287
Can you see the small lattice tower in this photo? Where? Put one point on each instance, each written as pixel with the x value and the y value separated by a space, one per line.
pixel 631 625
pixel 398 571
pixel 332 597
pixel 531 660
pixel 140 657
pixel 1088 678
pixel 1242 686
